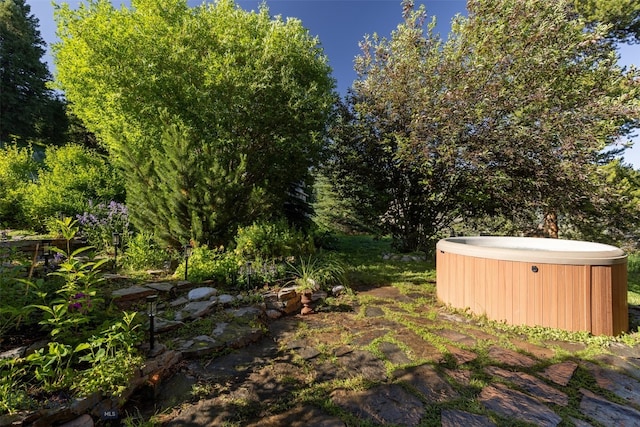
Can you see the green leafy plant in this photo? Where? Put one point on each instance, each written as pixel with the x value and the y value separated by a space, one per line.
pixel 269 240
pixel 143 252
pixel 211 264
pixel 13 392
pixel 316 273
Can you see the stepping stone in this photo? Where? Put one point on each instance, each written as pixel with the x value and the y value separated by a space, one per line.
pixel 560 373
pixel 163 325
pixel 630 365
pixel 456 418
pixel 426 380
pixel 195 310
pixel 308 353
pixel 365 338
pixel 219 329
pixel 460 355
pixel 14 353
pixel 132 293
pixel 199 294
pixel 531 385
pixel 226 299
pixel 386 404
pixel 364 363
pixel 179 301
pixel 514 404
pixel 162 286
pixel 274 314
pixel 536 350
pixel 621 385
pixel 373 312
pixel 300 416
pixel 393 353
pixel 456 337
pixel 570 347
pixel 510 357
pixel 607 413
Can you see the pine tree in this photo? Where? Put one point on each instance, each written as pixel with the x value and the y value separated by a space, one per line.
pixel 24 97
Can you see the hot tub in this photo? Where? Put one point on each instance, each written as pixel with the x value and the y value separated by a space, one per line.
pixel 565 284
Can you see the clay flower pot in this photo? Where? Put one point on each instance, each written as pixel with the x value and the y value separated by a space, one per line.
pixel 305 299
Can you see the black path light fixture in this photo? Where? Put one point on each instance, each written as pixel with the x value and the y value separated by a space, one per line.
pixel 249 272
pixel 116 240
pixel 152 309
pixel 186 250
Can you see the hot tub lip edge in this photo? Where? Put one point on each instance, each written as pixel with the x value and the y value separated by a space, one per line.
pixel 564 257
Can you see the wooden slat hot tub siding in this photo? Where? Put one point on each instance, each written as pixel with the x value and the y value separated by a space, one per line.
pixel 570 297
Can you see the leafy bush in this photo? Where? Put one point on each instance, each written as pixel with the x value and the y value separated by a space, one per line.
pixel 70 177
pixel 15 293
pixel 211 264
pixel 99 222
pixel 272 240
pixel 17 170
pixel 142 252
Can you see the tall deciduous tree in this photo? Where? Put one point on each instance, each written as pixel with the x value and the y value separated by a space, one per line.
pixel 509 116
pixel 622 17
pixel 215 114
pixel 24 98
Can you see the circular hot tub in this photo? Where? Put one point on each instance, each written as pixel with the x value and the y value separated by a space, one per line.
pixel 565 284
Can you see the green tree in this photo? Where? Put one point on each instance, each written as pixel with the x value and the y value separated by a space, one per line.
pixel 508 117
pixel 622 17
pixel 25 100
pixel 214 114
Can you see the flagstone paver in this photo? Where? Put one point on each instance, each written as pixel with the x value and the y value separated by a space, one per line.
pixel 510 357
pixel 560 373
pixel 426 380
pixel 393 353
pixel 385 404
pixel 621 385
pixel 455 418
pixel 514 404
pixel 531 385
pixel 606 412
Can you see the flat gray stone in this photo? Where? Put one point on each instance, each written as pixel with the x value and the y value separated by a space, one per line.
pixel 607 413
pixel 219 329
pixel 245 312
pixel 393 353
pixel 560 373
pixel 373 311
pixel 514 404
pixel 161 286
pixel 426 380
pixel 194 310
pixel 621 385
pixel 203 293
pixel 385 404
pixel 226 299
pixel 82 421
pixel 461 356
pixel 456 337
pixel 510 357
pixel 364 363
pixel 14 353
pixel 308 353
pixel 179 301
pixel 164 325
pixel 456 418
pixel 132 293
pixel 531 385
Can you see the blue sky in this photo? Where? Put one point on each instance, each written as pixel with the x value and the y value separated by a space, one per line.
pixel 340 25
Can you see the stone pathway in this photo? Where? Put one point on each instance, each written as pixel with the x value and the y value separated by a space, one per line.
pixel 383 364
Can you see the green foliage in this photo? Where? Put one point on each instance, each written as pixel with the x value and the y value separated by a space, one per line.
pixel 272 240
pixel 508 118
pixel 24 96
pixel 12 396
pixel 143 252
pixel 17 169
pixel 15 293
pixel 250 97
pixel 211 264
pixel 314 273
pixel 101 220
pixel 72 306
pixel 71 176
pixel 113 359
pixel 622 17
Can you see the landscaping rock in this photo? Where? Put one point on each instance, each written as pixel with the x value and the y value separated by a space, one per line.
pixel 226 299
pixel 166 287
pixel 426 380
pixel 606 412
pixel 393 353
pixel 531 385
pixel 385 404
pixel 621 385
pixel 510 357
pixel 199 294
pixel 456 418
pixel 132 293
pixel 514 404
pixel 560 373
pixel 83 421
pixel 195 310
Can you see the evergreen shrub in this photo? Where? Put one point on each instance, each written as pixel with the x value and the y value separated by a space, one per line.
pixel 17 169
pixel 272 240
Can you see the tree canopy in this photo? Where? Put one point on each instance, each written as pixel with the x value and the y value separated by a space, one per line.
pixel 509 116
pixel 214 114
pixel 24 97
pixel 621 16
